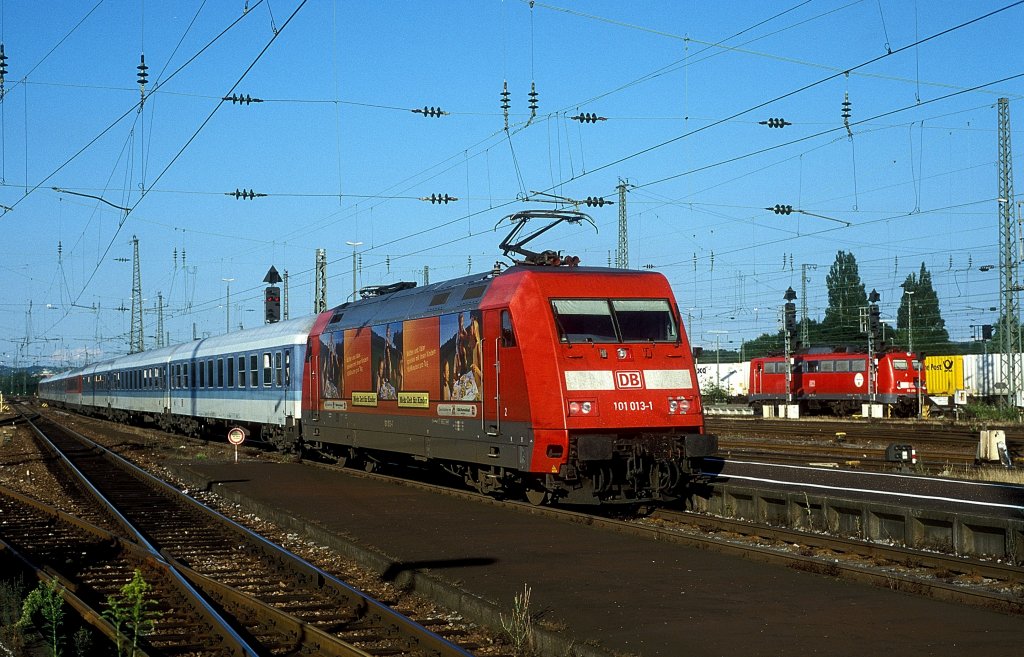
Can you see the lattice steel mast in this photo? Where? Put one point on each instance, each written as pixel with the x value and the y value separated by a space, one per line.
pixel 136 343
pixel 622 254
pixel 1009 260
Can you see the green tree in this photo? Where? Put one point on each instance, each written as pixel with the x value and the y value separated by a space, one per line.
pixel 920 303
pixel 846 296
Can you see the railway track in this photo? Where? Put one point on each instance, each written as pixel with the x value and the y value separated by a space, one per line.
pixel 854 444
pixel 948 577
pixel 259 584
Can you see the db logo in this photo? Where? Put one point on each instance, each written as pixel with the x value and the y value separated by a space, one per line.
pixel 629 379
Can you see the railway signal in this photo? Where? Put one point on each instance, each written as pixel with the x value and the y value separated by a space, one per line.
pixel 272 304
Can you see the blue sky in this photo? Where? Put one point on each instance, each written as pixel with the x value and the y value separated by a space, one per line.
pixel 341 157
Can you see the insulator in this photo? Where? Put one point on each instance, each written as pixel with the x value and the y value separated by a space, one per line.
pixel 439 198
pixel 245 194
pixel 3 63
pixel 430 111
pixel 586 117
pixel 775 123
pixel 533 99
pixel 781 209
pixel 596 201
pixel 243 100
pixel 846 107
pixel 143 76
pixel 505 95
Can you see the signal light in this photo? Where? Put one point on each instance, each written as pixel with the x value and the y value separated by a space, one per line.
pixel 431 112
pixel 790 318
pixel 439 198
pixel 986 331
pixel 272 304
pixel 775 123
pixel 781 209
pixel 585 117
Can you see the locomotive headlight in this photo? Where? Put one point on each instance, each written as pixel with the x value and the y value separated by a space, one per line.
pixel 622 353
pixel 678 405
pixel 583 407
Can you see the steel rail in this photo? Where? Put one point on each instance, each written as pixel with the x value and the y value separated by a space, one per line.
pixel 371 612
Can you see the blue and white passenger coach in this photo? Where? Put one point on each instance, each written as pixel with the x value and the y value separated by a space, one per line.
pixel 247 378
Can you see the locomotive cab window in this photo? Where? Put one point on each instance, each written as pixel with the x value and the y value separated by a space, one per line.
pixel 584 320
pixel 508 336
pixel 614 320
pixel 900 364
pixel 645 320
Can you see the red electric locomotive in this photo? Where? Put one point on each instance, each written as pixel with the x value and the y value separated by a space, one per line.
pixel 556 382
pixel 838 382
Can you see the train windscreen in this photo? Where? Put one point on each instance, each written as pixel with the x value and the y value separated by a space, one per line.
pixel 614 320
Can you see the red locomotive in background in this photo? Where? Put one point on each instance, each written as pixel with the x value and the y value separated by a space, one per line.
pixel 839 382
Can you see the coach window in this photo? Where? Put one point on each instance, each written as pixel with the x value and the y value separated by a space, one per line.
pixel 209 374
pixel 220 372
pixel 812 365
pixel 231 372
pixel 254 370
pixel 828 366
pixel 279 380
pixel 508 336
pixel 241 371
pixel 287 367
pixel 267 373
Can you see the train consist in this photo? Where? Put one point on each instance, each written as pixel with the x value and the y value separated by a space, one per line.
pixel 546 380
pixel 949 381
pixel 839 382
